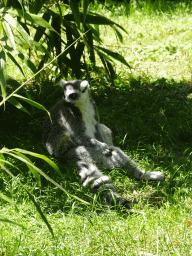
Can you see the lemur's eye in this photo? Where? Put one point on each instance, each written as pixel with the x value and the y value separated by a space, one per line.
pixel 73 96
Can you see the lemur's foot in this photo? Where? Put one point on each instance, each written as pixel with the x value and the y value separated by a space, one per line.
pixel 114 199
pixel 153 176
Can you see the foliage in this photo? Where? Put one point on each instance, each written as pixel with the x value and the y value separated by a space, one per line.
pixel 33 33
pixel 149 112
pixel 66 37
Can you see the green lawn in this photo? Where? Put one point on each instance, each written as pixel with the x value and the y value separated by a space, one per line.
pixel 149 110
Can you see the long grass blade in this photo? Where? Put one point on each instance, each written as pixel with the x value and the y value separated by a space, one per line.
pixel 40 212
pixel 3 79
pixel 6 198
pixel 33 200
pixel 11 222
pixel 44 175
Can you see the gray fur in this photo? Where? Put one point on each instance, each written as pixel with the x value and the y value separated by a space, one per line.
pixel 75 134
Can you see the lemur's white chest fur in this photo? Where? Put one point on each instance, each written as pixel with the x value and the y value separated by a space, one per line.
pixel 88 116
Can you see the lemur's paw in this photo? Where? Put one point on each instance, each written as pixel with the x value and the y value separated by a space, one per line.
pixel 107 151
pixel 154 176
pixel 114 199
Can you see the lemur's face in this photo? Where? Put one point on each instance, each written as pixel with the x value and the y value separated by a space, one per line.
pixel 75 92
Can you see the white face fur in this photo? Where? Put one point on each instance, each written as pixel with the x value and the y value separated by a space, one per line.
pixel 76 92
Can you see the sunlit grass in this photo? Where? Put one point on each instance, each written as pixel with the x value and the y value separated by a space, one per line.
pixel 149 110
pixel 157 43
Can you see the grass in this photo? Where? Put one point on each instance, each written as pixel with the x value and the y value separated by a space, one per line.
pixel 149 110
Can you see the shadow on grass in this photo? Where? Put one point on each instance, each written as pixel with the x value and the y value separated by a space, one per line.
pixel 151 121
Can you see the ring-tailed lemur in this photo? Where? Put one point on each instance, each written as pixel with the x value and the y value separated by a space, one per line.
pixel 74 133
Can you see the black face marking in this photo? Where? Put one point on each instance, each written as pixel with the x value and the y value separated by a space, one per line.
pixel 84 90
pixel 73 96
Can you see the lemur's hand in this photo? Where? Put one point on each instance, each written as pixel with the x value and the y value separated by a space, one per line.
pixel 103 147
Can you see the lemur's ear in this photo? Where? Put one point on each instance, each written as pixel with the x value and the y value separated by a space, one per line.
pixel 63 83
pixel 84 85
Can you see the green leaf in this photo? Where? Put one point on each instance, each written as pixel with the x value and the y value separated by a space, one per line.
pixel 89 38
pixel 9 34
pixel 11 222
pixel 2 158
pixel 85 7
pixel 28 62
pixel 15 24
pixel 38 5
pixel 9 163
pixel 11 81
pixel 3 80
pixel 6 198
pixel 40 31
pixel 40 212
pixel 75 11
pixel 18 105
pixel 5 2
pixel 31 168
pixel 94 18
pixel 32 103
pixel 15 62
pixel 33 18
pixel 119 35
pixel 1 27
pixel 46 159
pixel 114 55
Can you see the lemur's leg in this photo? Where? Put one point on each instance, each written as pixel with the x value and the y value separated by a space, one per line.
pixel 119 159
pixel 110 157
pixel 106 134
pixel 90 175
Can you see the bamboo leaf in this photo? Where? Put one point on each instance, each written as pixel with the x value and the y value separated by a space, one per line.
pixel 9 34
pixel 40 31
pixel 46 159
pixel 18 105
pixel 85 7
pixel 3 81
pixel 32 103
pixel 15 62
pixel 33 18
pixel 9 152
pixel 38 5
pixel 28 62
pixel 119 35
pixel 33 170
pixel 94 18
pixel 15 24
pixel 9 163
pixel 2 158
pixel 75 11
pixel 115 55
pixel 1 26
